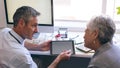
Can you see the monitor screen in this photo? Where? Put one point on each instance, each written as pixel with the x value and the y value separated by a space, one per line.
pixel 45 7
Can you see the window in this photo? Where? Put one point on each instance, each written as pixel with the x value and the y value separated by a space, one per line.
pixel 78 12
pixel 112 11
pixel 76 9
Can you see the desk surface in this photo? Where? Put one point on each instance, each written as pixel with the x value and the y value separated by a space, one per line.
pixel 48 53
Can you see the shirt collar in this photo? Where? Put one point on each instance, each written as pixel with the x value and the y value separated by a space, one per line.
pixel 17 36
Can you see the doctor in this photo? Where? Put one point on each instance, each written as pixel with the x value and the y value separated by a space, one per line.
pixel 13 52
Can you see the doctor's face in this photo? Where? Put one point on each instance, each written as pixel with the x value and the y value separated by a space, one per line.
pixel 30 28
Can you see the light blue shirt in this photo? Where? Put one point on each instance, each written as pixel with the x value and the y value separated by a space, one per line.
pixel 13 54
pixel 107 56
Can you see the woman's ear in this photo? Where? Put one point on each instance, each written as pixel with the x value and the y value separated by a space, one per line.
pixel 95 34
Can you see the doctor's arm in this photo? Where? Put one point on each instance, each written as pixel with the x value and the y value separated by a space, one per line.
pixel 62 56
pixel 45 46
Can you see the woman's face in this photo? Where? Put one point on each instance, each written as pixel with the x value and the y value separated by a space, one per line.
pixel 88 38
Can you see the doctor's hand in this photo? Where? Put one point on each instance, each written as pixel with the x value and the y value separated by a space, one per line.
pixel 45 46
pixel 65 55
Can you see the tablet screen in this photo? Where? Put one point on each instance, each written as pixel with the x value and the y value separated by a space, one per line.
pixel 58 46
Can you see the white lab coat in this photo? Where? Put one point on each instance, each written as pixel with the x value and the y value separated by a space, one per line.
pixel 12 53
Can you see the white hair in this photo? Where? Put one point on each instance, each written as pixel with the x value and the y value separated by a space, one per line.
pixel 106 28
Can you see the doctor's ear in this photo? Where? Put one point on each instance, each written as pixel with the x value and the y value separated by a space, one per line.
pixel 21 22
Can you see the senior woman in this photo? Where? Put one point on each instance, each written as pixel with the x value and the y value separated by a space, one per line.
pixel 98 36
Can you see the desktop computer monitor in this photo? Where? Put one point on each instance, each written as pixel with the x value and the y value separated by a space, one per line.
pixel 45 7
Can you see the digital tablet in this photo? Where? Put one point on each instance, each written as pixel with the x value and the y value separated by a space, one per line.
pixel 59 46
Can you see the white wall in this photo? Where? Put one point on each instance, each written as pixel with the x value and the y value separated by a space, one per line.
pixel 2 15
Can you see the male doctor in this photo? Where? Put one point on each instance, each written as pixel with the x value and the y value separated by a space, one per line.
pixel 13 53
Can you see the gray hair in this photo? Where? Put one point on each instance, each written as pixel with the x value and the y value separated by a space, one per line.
pixel 24 12
pixel 106 28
